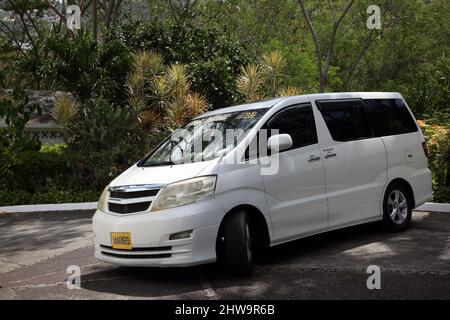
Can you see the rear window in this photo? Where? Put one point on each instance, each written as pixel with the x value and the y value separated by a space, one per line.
pixel 390 116
pixel 346 119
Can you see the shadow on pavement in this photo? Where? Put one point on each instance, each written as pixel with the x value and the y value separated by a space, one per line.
pixel 25 232
pixel 347 252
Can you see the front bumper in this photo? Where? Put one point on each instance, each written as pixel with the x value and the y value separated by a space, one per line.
pixel 151 231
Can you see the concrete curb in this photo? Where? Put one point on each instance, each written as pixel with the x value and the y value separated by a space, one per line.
pixel 61 207
pixel 434 207
pixel 84 206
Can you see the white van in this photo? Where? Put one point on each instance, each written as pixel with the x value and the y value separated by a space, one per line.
pixel 330 161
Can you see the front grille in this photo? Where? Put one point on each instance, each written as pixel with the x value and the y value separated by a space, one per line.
pixel 166 248
pixel 128 208
pixel 138 256
pixel 133 194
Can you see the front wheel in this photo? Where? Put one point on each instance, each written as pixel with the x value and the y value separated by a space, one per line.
pixel 397 208
pixel 238 247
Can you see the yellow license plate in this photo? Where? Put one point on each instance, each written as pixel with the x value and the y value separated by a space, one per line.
pixel 121 240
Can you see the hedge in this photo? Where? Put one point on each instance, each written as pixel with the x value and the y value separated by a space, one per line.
pixel 54 194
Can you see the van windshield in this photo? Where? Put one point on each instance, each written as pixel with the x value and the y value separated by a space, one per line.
pixel 204 139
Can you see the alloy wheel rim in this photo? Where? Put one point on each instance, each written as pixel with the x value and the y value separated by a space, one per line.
pixel 397 206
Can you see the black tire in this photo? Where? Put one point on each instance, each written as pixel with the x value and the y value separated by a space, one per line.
pixel 237 247
pixel 397 208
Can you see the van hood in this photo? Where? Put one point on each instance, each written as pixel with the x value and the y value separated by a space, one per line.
pixel 159 174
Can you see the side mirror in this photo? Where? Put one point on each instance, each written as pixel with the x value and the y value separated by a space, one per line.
pixel 279 142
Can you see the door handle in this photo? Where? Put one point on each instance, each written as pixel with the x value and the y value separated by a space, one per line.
pixel 313 158
pixel 330 155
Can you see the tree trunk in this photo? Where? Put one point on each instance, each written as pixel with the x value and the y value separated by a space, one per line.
pixel 322 83
pixel 447 179
pixel 94 19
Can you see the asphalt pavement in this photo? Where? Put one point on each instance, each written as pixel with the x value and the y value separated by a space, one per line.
pixel 37 249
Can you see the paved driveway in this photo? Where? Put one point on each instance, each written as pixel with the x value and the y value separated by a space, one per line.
pixel 37 248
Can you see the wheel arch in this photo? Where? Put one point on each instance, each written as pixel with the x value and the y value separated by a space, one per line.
pixel 404 183
pixel 258 225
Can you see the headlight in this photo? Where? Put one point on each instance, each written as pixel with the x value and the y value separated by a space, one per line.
pixel 185 192
pixel 102 201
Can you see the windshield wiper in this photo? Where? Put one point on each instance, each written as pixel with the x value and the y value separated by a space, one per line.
pixel 160 164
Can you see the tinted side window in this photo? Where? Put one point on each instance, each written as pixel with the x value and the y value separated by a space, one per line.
pixel 346 119
pixel 298 121
pixel 390 116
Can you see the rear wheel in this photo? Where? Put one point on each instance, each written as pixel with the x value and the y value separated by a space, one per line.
pixel 397 208
pixel 238 247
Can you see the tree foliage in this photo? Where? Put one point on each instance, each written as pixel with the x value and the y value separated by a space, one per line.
pixel 213 58
pixel 85 67
pixel 140 65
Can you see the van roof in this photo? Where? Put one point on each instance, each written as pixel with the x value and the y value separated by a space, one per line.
pixel 307 97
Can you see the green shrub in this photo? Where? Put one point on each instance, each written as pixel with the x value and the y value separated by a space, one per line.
pixel 54 194
pixel 58 194
pixel 85 67
pixel 441 194
pixel 53 148
pixel 106 140
pixel 15 110
pixel 438 141
pixel 14 198
pixel 29 170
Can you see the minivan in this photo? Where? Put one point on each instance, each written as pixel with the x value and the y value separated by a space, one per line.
pixel 291 167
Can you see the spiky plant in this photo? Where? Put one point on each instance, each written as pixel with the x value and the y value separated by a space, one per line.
pixel 135 87
pixel 272 64
pixel 249 82
pixel 178 80
pixel 149 119
pixel 288 91
pixel 64 110
pixel 174 115
pixel 159 93
pixel 192 105
pixel 149 63
pixel 195 104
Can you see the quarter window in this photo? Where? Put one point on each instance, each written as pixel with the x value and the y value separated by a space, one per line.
pixel 390 116
pixel 346 119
